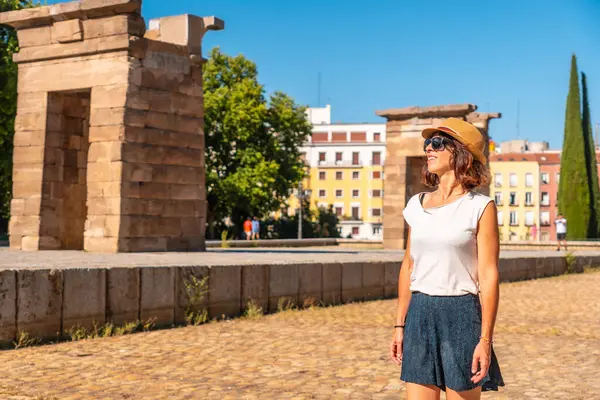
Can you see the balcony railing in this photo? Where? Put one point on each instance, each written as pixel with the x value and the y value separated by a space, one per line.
pixel 340 164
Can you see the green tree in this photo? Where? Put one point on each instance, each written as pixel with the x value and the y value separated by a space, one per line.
pixel 590 160
pixel 8 105
pixel 574 189
pixel 252 144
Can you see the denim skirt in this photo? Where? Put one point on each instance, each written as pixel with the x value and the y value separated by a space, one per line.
pixel 440 336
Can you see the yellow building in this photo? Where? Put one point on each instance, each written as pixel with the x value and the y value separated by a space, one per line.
pixel 515 187
pixel 345 170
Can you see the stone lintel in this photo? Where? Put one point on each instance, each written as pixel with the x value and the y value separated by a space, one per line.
pixel 482 117
pixel 444 111
pixel 84 9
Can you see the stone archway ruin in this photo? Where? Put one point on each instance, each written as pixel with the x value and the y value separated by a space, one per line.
pixel 109 145
pixel 404 158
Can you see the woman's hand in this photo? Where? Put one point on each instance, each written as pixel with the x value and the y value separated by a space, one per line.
pixel 481 361
pixel 396 345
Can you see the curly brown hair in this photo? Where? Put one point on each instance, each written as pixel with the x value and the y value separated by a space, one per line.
pixel 470 172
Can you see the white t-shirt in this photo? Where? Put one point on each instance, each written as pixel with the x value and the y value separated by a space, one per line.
pixel 443 245
pixel 561 225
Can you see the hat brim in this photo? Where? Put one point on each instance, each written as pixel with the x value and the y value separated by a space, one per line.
pixel 429 132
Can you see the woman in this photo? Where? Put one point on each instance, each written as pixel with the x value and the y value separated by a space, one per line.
pixel 448 286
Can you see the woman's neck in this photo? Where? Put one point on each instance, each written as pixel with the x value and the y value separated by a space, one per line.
pixel 449 187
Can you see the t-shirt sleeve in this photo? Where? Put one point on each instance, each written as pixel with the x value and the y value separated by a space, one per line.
pixel 409 212
pixel 482 204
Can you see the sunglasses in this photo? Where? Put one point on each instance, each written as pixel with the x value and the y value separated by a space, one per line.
pixel 437 143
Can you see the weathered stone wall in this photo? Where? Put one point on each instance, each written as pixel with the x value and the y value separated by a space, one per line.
pixel 404 158
pixel 49 302
pixel 109 142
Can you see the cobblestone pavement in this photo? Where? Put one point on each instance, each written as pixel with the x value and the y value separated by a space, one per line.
pixel 548 344
pixel 78 259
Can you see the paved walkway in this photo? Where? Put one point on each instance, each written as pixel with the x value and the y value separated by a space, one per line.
pixel 548 344
pixel 80 259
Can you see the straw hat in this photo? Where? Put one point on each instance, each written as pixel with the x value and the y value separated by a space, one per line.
pixel 464 132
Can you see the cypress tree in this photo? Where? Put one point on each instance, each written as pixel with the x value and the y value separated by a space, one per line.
pixel 590 160
pixel 574 188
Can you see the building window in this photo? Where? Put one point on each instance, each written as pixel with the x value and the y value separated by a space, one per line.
pixel 322 175
pixel 355 158
pixel 376 158
pixel 355 212
pixel 529 218
pixel 339 193
pixel 339 211
pixel 322 158
pixel 376 212
pixel 513 180
pixel 355 175
pixel 545 218
pixel 513 199
pixel 545 236
pixel 498 198
pixel 500 216
pixel 377 137
pixel 545 199
pixel 513 236
pixel 322 193
pixel 339 175
pixel 557 177
pixel 545 178
pixel 498 180
pixel 528 198
pixel 376 174
pixel 529 180
pixel 355 230
pixel 355 193
pixel 376 193
pixel 514 218
pixel 338 158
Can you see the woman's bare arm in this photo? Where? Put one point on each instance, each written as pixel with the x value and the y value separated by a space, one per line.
pixel 488 249
pixel 404 294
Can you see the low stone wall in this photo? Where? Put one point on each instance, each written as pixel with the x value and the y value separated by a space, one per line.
pixel 46 303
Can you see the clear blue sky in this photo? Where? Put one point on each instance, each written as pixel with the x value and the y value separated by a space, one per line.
pixel 384 54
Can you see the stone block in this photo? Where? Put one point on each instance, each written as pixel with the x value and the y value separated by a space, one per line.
pixel 192 296
pixel 114 25
pixel 76 48
pixel 101 244
pixel 187 192
pixel 391 278
pixel 8 302
pixel 310 281
pixel 30 121
pixel 28 173
pixel 172 63
pixel 24 225
pixel 39 302
pixel 84 298
pixel 67 31
pixel 40 36
pixel 102 152
pixel 332 283
pixel 225 290
pixel 29 138
pixel 162 155
pixel 123 295
pixel 163 137
pixel 170 81
pixel 283 285
pixel 15 242
pixel 158 295
pixel 104 172
pixel 77 73
pixel 352 289
pixel 173 122
pixel 255 286
pixel 373 280
pixel 33 243
pixel 27 190
pixel 117 116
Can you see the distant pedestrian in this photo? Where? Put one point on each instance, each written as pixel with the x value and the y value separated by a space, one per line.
pixel 533 232
pixel 255 229
pixel 248 228
pixel 561 231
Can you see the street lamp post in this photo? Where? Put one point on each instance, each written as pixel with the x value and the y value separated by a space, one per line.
pixel 301 195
